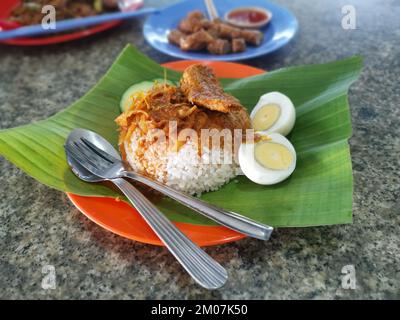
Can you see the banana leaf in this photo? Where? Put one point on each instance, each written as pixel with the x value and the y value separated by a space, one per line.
pixel 318 193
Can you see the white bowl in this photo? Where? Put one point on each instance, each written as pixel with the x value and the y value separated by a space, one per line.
pixel 249 24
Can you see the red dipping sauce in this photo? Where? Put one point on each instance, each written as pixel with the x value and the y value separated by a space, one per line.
pixel 248 17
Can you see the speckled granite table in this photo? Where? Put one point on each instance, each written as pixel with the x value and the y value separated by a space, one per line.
pixel 39 226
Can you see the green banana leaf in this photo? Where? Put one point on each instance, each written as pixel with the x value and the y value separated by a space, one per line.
pixel 318 193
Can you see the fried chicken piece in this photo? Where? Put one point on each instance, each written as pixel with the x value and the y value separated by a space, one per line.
pixel 219 46
pixel 238 45
pixel 254 37
pixel 213 31
pixel 175 37
pixel 203 89
pixel 189 25
pixel 196 41
pixel 196 14
pixel 226 31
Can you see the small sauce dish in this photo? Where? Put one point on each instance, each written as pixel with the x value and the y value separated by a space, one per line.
pixel 248 17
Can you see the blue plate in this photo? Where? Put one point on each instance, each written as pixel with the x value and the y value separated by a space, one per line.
pixel 277 33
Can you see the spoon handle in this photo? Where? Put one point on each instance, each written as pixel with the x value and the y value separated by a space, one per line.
pixel 205 270
pixel 229 219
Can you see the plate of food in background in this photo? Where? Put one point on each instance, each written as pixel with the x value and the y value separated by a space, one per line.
pixel 28 12
pixel 185 30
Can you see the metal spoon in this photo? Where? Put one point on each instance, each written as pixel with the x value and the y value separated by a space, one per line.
pixel 206 271
pixel 115 167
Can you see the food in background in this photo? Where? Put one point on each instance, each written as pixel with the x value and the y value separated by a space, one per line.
pixel 196 33
pixel 195 41
pixel 250 17
pixel 219 46
pixel 29 12
pixel 238 45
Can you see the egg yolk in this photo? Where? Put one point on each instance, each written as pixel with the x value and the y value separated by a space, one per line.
pixel 266 117
pixel 273 155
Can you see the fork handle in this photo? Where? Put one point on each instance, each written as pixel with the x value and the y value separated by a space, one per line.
pixel 229 219
pixel 204 269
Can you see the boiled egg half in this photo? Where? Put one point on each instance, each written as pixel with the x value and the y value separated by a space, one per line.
pixel 269 160
pixel 274 112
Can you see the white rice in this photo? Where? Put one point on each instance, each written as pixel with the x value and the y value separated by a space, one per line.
pixel 184 170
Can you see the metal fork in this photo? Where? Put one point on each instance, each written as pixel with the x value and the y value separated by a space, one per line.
pixel 116 168
pixel 205 270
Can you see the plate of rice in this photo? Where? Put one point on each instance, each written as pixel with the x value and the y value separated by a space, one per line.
pixel 182 169
pixel 302 175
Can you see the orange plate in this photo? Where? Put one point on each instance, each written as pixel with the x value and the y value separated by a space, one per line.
pixel 124 220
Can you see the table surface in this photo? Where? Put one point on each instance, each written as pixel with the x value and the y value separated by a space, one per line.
pixel 39 226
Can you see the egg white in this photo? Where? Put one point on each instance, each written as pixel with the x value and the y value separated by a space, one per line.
pixel 258 173
pixel 287 118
